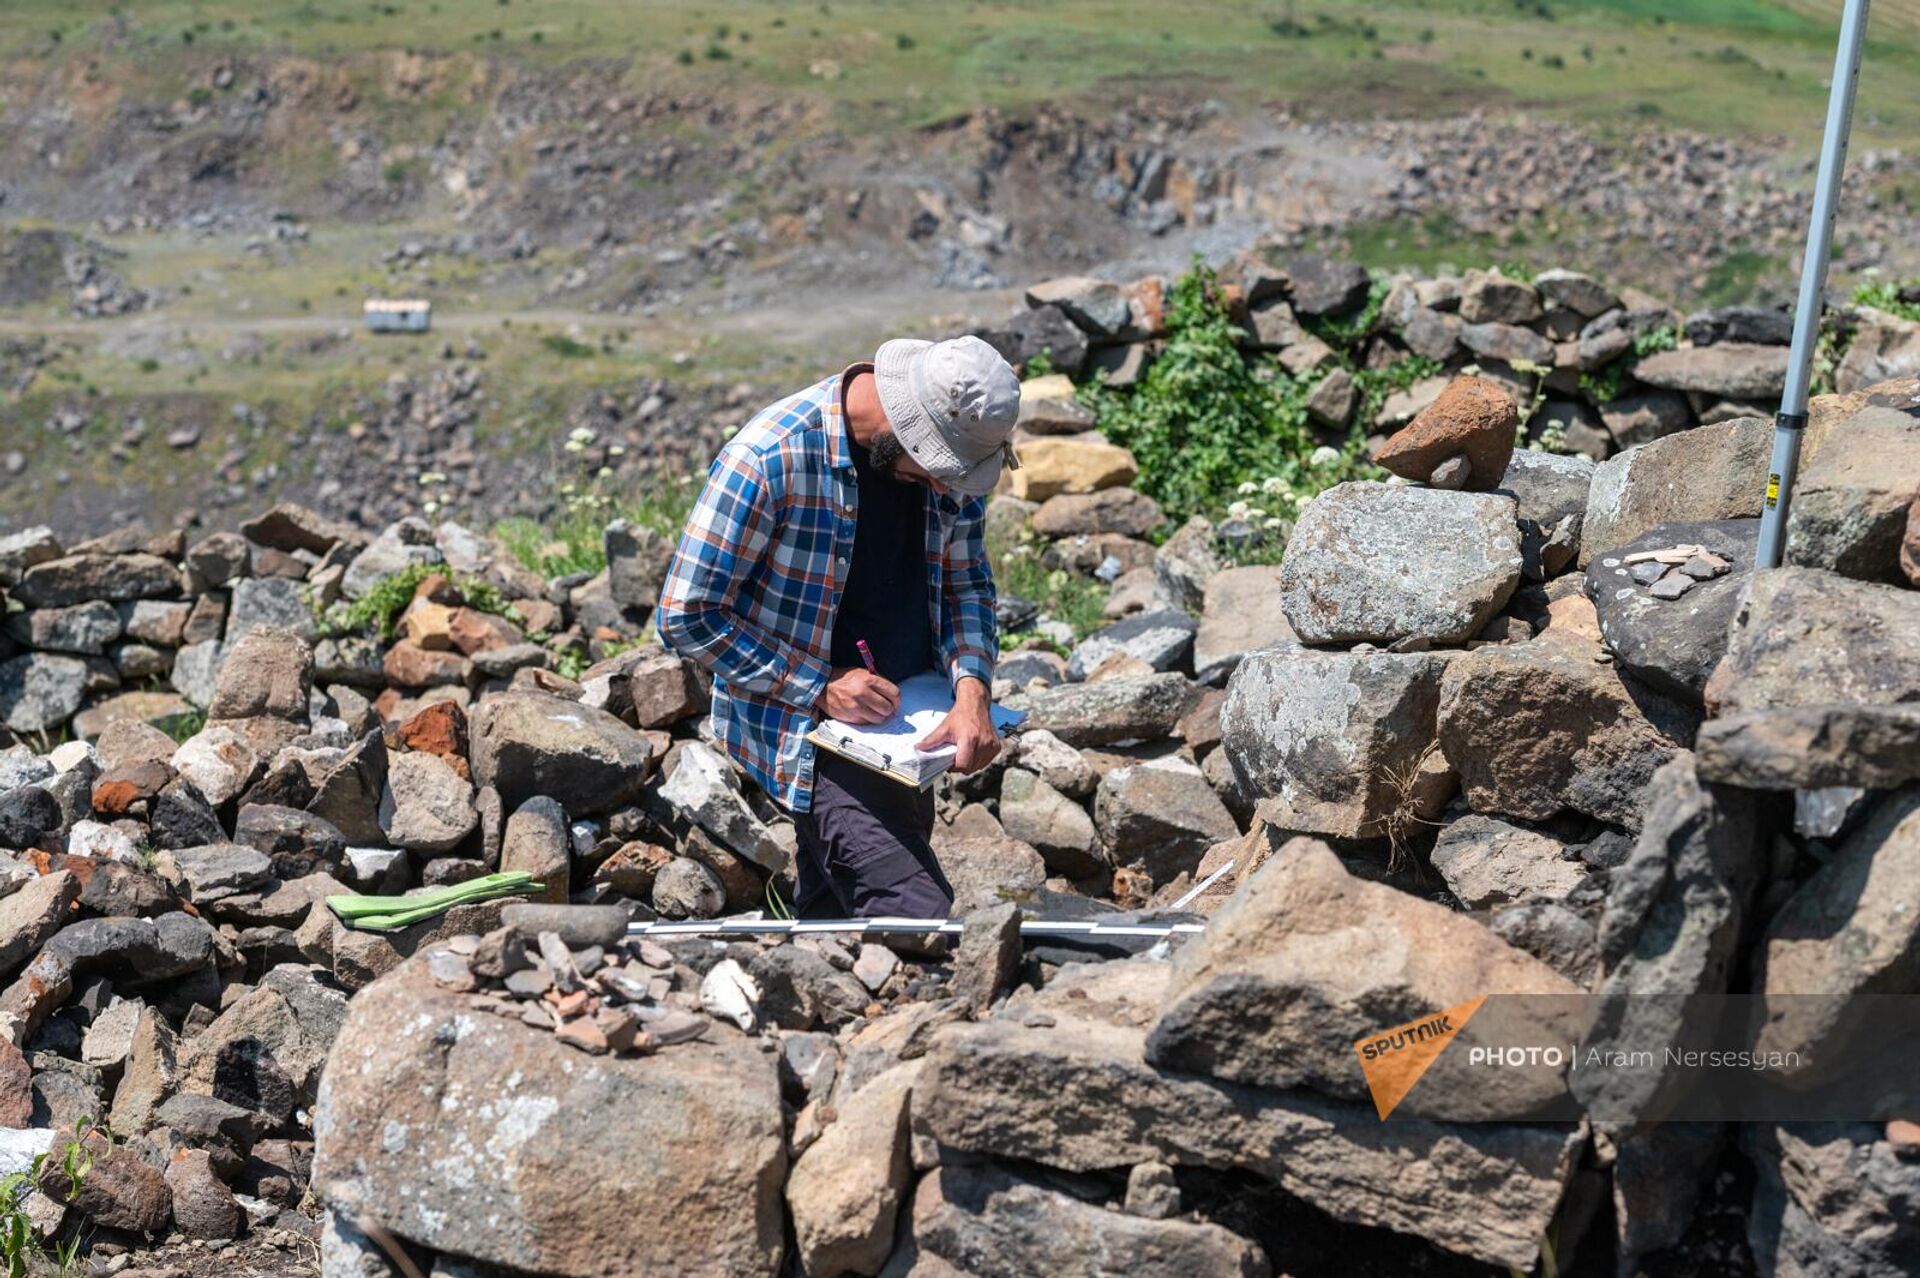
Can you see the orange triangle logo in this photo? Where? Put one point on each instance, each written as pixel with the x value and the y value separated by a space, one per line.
pixel 1394 1059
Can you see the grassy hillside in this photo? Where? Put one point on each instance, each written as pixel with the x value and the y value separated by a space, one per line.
pixel 1739 67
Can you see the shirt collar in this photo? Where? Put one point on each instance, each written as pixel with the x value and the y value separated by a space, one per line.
pixel 838 451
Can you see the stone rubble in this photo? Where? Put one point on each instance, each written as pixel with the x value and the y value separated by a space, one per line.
pixel 1513 722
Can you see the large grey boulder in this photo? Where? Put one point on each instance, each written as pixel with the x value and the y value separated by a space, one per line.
pixel 1161 814
pixel 1644 416
pixel 1377 562
pixel 1095 305
pixel 1579 293
pixel 1548 487
pixel 217 762
pixel 1306 960
pixel 537 842
pixel 1489 863
pixel 1851 497
pixel 39 691
pixel 1243 613
pixel 77 578
pixel 707 791
pixel 1060 1078
pixel 267 670
pixel 1543 727
pixel 1674 916
pixel 1882 350
pixel 528 743
pixel 987 869
pixel 1813 747
pixel 1850 930
pixel 1729 370
pixel 476 1134
pixel 398 547
pixel 85 629
pixel 30 915
pixel 21 550
pixel 1709 472
pixel 1136 708
pixel 1803 637
pixel 1034 812
pixel 1673 644
pixel 845 1189
pixel 1488 297
pixel 347 795
pixel 265 1050
pixel 269 601
pixel 987 1221
pixel 1327 742
pixel 1160 638
pixel 1831 1200
pixel 637 559
pixel 426 806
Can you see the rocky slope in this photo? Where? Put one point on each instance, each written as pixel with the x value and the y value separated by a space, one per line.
pixel 1518 723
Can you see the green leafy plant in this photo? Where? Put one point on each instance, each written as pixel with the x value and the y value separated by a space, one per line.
pixel 1885 295
pixel 1342 331
pixel 379 609
pixel 1605 384
pixel 20 1249
pixel 573 539
pixel 565 346
pixel 17 1243
pixel 1069 597
pixel 1204 423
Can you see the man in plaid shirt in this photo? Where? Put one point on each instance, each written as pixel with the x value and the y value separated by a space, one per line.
pixel 851 511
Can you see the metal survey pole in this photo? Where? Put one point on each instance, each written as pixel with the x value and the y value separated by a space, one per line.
pixel 1792 420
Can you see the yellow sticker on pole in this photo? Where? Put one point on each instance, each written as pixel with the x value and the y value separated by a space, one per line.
pixel 1773 490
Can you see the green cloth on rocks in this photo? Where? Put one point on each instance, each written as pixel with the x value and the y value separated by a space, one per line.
pixel 391 913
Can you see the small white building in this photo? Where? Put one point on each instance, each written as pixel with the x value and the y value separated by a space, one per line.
pixel 397 315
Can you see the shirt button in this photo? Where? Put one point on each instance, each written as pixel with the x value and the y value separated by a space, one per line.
pixel 842 562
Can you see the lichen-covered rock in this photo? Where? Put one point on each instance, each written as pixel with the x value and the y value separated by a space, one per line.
pixel 1306 960
pixel 1377 563
pixel 1851 497
pixel 1539 728
pixel 1326 742
pixel 528 743
pixel 467 1132
pixel 1803 637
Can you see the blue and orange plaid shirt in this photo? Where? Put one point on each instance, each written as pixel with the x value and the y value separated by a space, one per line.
pixel 756 581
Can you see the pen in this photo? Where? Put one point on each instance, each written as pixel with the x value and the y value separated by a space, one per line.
pixel 866 655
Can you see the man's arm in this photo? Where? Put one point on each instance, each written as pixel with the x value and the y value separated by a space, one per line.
pixel 969 642
pixel 726 536
pixel 969 632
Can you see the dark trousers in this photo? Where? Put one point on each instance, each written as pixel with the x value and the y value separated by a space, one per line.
pixel 865 849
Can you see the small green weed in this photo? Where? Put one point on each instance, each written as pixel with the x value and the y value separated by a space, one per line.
pixel 1886 295
pixel 1064 596
pixel 565 347
pixel 574 539
pixel 380 607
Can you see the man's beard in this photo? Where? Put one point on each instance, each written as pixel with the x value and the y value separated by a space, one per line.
pixel 884 454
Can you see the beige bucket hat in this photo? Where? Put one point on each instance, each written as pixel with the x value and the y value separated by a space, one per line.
pixel 953 406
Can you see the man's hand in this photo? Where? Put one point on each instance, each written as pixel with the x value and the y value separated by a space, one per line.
pixel 857 695
pixel 968 727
